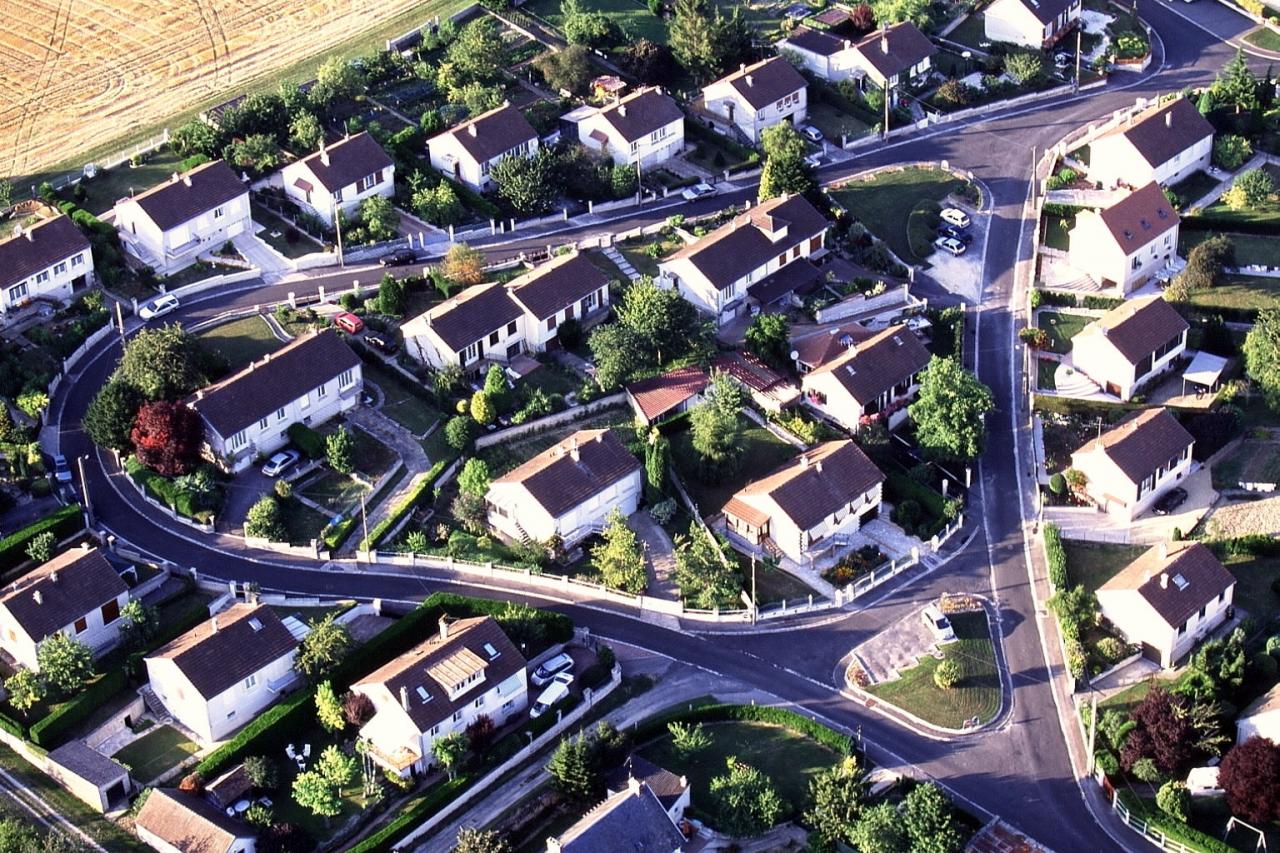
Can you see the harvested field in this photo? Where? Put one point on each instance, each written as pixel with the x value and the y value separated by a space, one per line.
pixel 81 73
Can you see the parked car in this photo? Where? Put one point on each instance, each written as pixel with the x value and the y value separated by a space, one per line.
pixel 550 668
pixel 280 462
pixel 61 471
pixel 558 690
pixel 955 234
pixel 938 624
pixel 955 216
pixel 1173 499
pixel 159 306
pixel 950 245
pixel 398 258
pixel 381 342
pixel 813 161
pixel 698 191
pixel 810 133
pixel 349 323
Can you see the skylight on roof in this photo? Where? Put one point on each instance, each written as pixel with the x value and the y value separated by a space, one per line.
pixel 423 694
pixel 255 624
pixel 491 651
pixel 1180 582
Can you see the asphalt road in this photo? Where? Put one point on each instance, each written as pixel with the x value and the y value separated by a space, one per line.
pixel 1020 769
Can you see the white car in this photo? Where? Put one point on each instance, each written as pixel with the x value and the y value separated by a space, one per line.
pixel 159 306
pixel 550 667
pixel 698 191
pixel 938 624
pixel 955 216
pixel 813 161
pixel 950 245
pixel 280 462
pixel 810 133
pixel 558 690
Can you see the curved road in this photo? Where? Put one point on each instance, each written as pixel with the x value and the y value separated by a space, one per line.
pixel 1021 769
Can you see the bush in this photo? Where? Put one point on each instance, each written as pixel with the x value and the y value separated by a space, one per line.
pixel 62 523
pixel 947 674
pixel 1230 152
pixel 58 724
pixel 1112 650
pixel 1058 484
pixel 1056 556
pixel 406 505
pixel 310 442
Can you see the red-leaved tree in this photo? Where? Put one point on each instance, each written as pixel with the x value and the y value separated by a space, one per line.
pixel 167 437
pixel 1163 733
pixel 1250 776
pixel 863 18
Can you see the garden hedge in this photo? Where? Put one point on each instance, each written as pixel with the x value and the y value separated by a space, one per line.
pixel 1175 830
pixel 1056 556
pixel 432 802
pixel 335 534
pixel 310 442
pixel 63 522
pixel 267 734
pixel 59 722
pixel 12 726
pixel 406 505
pixel 719 713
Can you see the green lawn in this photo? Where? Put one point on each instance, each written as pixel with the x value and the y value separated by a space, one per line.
pixel 1254 576
pixel 303 522
pixel 1057 230
pixel 504 456
pixel 334 491
pixel 762 452
pixel 885 203
pixel 835 123
pixel 1254 462
pixel 773 585
pixel 1061 328
pixel 399 402
pixel 790 760
pixel 372 457
pixel 1092 564
pixel 275 231
pixel 1218 215
pixel 977 693
pixel 1249 248
pixel 1243 292
pixel 241 341
pixel 1264 38
pixel 971 32
pixel 111 185
pixel 642 257
pixel 1046 372
pixel 155 752
pixel 1193 187
pixel 631 16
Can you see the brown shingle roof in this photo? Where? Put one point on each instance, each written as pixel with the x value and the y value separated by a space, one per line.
pixel 743 244
pixel 896 49
pixel 557 284
pixel 815 346
pixel 765 82
pixel 38 248
pixel 1176 579
pixel 472 314
pixel 1162 132
pixel 1142 442
pixel 72 584
pixel 350 160
pixel 490 134
pixel 868 369
pixel 1139 218
pixel 641 113
pixel 189 823
pixel 420 667
pixel 814 41
pixel 229 647
pixel 186 196
pixel 274 381
pixel 584 464
pixel 660 394
pixel 819 482
pixel 1138 327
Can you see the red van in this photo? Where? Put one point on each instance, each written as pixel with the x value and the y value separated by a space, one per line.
pixel 349 323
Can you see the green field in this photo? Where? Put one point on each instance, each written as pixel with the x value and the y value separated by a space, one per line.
pixel 1253 462
pixel 1240 292
pixel 1061 328
pixel 1264 38
pixel 1091 564
pixel 241 341
pixel 631 16
pixel 155 752
pixel 886 202
pixel 1249 248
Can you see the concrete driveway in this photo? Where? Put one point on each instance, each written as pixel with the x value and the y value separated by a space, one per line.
pixel 896 648
pixel 1148 528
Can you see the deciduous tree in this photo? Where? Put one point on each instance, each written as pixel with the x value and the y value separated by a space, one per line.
pixel 380 218
pixel 25 688
pixel 528 184
pixel 1249 190
pixel 391 294
pixel 139 623
pixel 109 419
pixel 703 574
pixel 838 798
pixel 471 840
pixel 161 363
pixel 167 437
pixel 1250 776
pixel 324 647
pixel 1262 355
pixel 340 450
pixel 337 767
pixel 263 773
pixel 475 478
pixel 785 171
pixel 266 521
pixel 463 265
pixel 618 558
pixel 357 708
pixel 769 337
pixel 449 752
pixel 305 132
pixel 40 548
pixel 930 821
pixel 880 830
pixel 746 802
pixel 328 709
pixel 717 429
pixel 1023 67
pixel 950 410
pixel 65 663
pixel 316 794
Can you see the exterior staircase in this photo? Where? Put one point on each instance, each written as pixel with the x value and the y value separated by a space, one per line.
pixel 621 263
pixel 152 702
pixel 1072 383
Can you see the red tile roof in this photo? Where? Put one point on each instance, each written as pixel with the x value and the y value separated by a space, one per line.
pixel 659 395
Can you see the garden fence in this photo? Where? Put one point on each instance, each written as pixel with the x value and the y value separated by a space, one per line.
pixel 109 162
pixel 568 415
pixel 1147 831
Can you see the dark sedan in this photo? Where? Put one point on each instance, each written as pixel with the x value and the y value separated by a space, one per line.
pixel 1173 499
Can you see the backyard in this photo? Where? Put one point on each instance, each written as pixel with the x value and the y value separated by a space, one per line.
pixel 155 752
pixel 1057 226
pixel 241 341
pixel 1240 292
pixel 1249 248
pixel 111 185
pixel 1062 327
pixel 505 456
pixel 276 232
pixel 977 694
pixel 302 522
pixel 762 452
pixel 400 402
pixel 1254 461
pixel 1254 579
pixel 1194 187
pixel 1091 564
pixel 835 123
pixel 885 203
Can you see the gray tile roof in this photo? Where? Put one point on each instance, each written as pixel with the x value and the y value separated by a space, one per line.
pixel 79 758
pixel 229 647
pixel 350 160
pixel 666 786
pixel 572 471
pixel 189 823
pixel 1047 11
pixel 1175 578
pixel 631 820
pixel 815 41
pixel 1161 133
pixel 472 314
pixel 184 197
pixel 1139 218
pixel 38 248
pixel 54 595
pixel 896 49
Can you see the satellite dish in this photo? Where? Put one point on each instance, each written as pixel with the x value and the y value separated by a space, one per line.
pixel 794 355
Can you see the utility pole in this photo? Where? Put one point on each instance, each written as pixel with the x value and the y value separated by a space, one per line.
pixel 887 93
pixel 1093 728
pixel 1079 36
pixel 364 519
pixel 337 224
pixel 754 606
pixel 120 320
pixel 84 489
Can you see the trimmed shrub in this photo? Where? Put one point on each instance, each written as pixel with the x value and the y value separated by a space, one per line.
pixel 308 440
pixel 1056 556
pixel 59 722
pixel 62 523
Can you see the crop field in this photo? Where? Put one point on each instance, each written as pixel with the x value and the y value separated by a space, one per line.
pixel 79 73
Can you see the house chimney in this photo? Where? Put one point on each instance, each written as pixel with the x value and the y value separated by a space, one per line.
pixel 1164 580
pixel 573 450
pixel 186 180
pixel 175 177
pixel 404 697
pixel 817 466
pixel 324 153
pixel 742 67
pixel 633 785
pixel 471 128
pixel 804 460
pixel 444 627
pixel 622 110
pixel 53 576
pixel 38 596
pixel 1168 119
pixel 1164 551
pixel 848 45
pixel 884 44
pixel 214 623
pixel 30 234
pixel 750 81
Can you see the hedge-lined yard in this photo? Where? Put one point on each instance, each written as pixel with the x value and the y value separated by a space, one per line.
pixel 62 523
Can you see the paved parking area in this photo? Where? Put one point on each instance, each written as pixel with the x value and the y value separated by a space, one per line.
pixel 1147 529
pixel 896 648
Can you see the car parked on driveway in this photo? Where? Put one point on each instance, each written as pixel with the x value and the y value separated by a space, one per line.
pixel 280 462
pixel 949 245
pixel 349 323
pixel 938 624
pixel 550 668
pixel 955 216
pixel 810 133
pixel 697 191
pixel 955 234
pixel 61 471
pixel 1172 499
pixel 159 306
pixel 558 689
pixel 381 342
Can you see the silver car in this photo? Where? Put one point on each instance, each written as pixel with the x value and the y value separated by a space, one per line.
pixel 159 306
pixel 550 668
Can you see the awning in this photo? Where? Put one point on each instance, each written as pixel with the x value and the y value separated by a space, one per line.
pixel 1205 369
pixel 303 185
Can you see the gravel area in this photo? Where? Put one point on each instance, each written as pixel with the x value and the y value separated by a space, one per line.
pixel 1245 518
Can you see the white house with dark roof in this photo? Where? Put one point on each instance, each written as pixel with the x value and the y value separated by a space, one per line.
pixel 468 152
pixel 757 96
pixel 170 225
pixel 48 260
pixel 870 380
pixel 217 677
pixel 567 490
pixel 1037 24
pixel 77 593
pixel 1169 599
pixel 172 821
pixel 1161 143
pixel 829 491
pixel 1261 718
pixel 466 670
pixel 1129 466
pixel 1124 245
pixel 310 380
pixel 673 792
pixel 885 59
pixel 1132 344
pixel 646 126
pixel 631 819
pixel 746 261
pixel 567 287
pixel 340 177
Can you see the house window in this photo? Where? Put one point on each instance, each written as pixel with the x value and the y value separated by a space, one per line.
pixel 60 268
pixel 237 440
pixel 479 701
pixel 634 146
pixel 551 322
pixel 590 302
pixel 337 196
pixel 1182 629
pixel 435 730
pixel 280 414
pixel 470 353
pixel 42 276
pixel 81 625
pixel 511 328
pixel 1137 262
pixel 1221 596
pixel 457 715
pixel 304 402
pixel 493 339
pixel 78 260
pixel 110 612
pixel 217 213
pixel 322 390
pixel 345 380
pixel 262 424
pixel 18 291
pixel 251 681
pixel 369 181
pixel 1202 611
pixel 484 168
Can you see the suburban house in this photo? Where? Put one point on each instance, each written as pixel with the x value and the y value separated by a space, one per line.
pixel 1162 143
pixel 1037 24
pixel 874 379
pixel 828 492
pixel 340 177
pixel 48 260
pixel 1261 718
pixel 1169 599
pixel 467 669
pixel 742 262
pixel 667 395
pixel 100 782
pixel 247 415
pixel 1124 245
pixel 631 819
pixel 1133 463
pixel 814 346
pixel 470 150
pixel 170 225
pixel 646 126
pixel 758 96
pixel 884 59
pixel 1129 346
pixel 500 321
pixel 216 677
pixel 77 593
pixel 672 791
pixel 173 821
pixel 567 490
